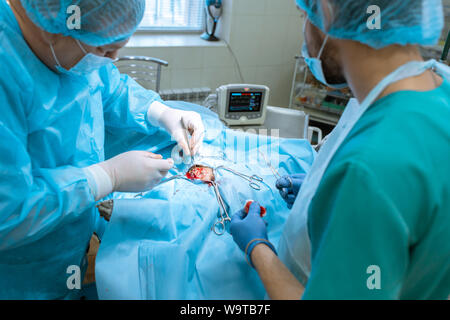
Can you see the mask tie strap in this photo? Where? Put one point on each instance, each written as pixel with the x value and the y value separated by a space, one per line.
pixel 86 53
pixel 81 47
pixel 324 42
pixel 323 46
pixel 54 56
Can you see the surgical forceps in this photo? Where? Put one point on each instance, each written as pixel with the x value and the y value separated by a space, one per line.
pixel 178 176
pixel 254 180
pixel 219 227
pixel 182 177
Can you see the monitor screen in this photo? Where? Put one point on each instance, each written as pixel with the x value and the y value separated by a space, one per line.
pixel 245 102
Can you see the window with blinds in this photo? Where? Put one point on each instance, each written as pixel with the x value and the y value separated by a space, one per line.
pixel 183 15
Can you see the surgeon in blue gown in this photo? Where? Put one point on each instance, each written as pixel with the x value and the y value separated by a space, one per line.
pixel 59 94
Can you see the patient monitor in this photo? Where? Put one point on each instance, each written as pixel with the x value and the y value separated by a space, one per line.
pixel 242 104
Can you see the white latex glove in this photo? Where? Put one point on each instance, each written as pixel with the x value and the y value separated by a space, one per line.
pixel 134 171
pixel 185 127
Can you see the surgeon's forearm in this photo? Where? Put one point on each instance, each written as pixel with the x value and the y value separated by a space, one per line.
pixel 279 282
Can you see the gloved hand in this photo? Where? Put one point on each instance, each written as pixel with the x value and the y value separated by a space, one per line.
pixel 250 229
pixel 289 187
pixel 180 125
pixel 134 171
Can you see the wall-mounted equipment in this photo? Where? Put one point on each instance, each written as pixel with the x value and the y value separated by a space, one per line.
pixel 213 12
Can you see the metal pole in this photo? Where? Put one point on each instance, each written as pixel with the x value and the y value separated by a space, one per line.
pixel 291 101
pixel 158 79
pixel 446 48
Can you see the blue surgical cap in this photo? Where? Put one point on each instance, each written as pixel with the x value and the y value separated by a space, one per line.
pixel 102 21
pixel 403 22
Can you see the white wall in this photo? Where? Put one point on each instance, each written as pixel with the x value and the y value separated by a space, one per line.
pixel 265 35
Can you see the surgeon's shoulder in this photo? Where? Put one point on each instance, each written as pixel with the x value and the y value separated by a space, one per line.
pixel 108 80
pixel 16 81
pixel 405 132
pixel 400 147
pixel 392 154
pixel 10 55
pixel 4 40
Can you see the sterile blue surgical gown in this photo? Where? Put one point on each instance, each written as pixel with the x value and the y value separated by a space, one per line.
pixel 51 126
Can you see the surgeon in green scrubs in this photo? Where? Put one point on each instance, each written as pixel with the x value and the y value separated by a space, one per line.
pixel 372 217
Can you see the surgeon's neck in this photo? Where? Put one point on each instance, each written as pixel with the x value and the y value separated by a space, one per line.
pixel 365 67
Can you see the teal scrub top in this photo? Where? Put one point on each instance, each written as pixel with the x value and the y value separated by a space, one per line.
pixel 379 223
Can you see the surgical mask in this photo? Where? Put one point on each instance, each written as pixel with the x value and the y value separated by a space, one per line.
pixel 88 64
pixel 315 64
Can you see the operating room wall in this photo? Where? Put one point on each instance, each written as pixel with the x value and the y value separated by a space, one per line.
pixel 265 36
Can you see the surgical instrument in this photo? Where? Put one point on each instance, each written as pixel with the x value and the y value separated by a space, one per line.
pixel 253 180
pixel 274 171
pixel 219 228
pixel 200 174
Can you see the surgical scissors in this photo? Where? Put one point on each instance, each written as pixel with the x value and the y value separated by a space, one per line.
pixel 253 180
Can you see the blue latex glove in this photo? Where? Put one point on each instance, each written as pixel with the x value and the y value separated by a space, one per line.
pixel 246 228
pixel 289 187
